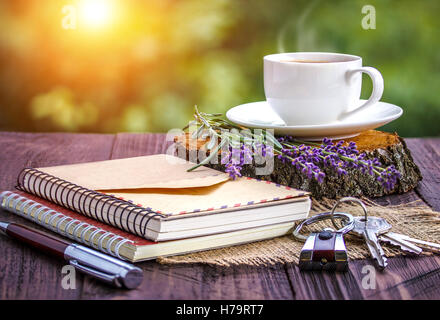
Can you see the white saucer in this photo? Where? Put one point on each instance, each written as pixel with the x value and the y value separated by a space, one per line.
pixel 260 115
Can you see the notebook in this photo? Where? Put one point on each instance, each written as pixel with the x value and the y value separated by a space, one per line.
pixel 155 197
pixel 122 244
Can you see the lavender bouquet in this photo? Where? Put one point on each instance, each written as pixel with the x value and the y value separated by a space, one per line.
pixel 238 145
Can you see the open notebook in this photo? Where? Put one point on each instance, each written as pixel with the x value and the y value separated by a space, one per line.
pixel 156 198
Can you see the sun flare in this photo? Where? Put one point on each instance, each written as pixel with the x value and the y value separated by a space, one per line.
pixel 95 13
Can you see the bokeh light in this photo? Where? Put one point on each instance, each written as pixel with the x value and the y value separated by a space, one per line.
pixel 133 65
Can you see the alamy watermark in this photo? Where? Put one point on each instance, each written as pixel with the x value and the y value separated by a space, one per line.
pixel 369 20
pixel 68 281
pixel 233 146
pixel 70 17
pixel 369 278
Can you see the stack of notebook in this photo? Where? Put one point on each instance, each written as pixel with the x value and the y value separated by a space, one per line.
pixel 144 207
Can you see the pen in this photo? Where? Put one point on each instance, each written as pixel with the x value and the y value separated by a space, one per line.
pixel 89 261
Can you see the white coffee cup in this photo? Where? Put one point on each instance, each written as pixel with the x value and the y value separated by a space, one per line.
pixel 312 88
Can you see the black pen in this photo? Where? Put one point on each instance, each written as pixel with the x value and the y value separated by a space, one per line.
pixel 89 261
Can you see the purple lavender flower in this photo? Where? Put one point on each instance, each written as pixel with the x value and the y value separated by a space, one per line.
pixel 388 177
pixel 308 158
pixel 233 170
pixel 336 156
pixel 263 150
pixel 235 158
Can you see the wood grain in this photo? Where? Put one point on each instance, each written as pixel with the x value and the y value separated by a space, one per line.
pixel 29 274
pixel 25 272
pixel 426 154
pixel 389 149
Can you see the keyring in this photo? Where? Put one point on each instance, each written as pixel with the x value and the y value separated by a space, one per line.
pixel 324 216
pixel 347 199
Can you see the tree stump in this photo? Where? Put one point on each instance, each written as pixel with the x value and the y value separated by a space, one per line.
pixel 389 149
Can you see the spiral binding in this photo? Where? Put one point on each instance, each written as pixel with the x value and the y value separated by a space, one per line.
pixel 47 186
pixel 53 220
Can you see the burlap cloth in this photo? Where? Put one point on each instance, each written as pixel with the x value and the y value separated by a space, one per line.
pixel 414 219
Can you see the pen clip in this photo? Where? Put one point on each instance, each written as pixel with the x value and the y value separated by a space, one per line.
pixel 112 279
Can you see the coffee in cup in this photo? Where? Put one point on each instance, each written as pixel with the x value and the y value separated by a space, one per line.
pixel 312 88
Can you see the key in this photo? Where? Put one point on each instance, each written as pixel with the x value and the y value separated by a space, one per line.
pixel 409 244
pixel 395 239
pixel 428 246
pixel 370 229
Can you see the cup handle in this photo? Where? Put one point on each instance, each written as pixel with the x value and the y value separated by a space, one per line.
pixel 377 79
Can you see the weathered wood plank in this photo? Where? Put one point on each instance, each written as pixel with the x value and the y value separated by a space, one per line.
pixel 139 144
pixel 426 153
pixel 19 150
pixel 24 272
pixel 323 285
pixel 28 274
pixel 410 196
pixel 200 282
pixel 405 278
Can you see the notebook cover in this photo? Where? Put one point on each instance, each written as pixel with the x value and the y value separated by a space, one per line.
pixel 136 241
pixel 54 216
pixel 157 188
pixel 162 184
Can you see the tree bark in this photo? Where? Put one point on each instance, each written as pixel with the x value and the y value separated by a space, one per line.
pixel 389 149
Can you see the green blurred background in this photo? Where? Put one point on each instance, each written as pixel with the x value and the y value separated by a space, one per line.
pixel 143 65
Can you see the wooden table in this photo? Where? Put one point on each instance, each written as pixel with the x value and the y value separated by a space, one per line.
pixel 29 274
